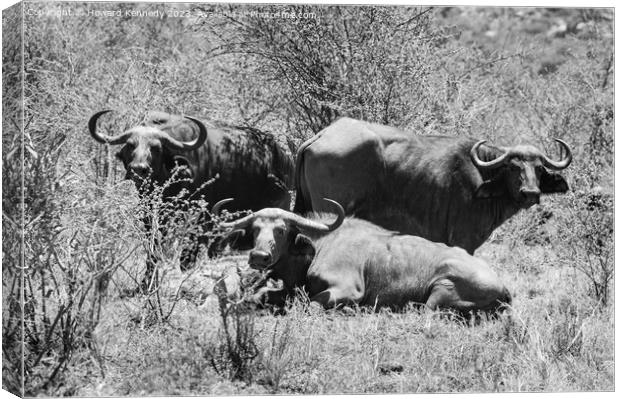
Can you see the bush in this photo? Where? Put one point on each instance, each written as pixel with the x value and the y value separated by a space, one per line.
pixel 68 267
pixel 361 62
pixel 588 234
pixel 233 356
pixel 276 358
pixel 13 147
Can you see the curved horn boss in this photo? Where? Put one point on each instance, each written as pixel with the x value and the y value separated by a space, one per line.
pixel 562 163
pixel 103 138
pixel 217 208
pixel 188 145
pixel 310 225
pixel 238 224
pixel 494 164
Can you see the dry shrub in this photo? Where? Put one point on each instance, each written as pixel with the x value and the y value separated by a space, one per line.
pixel 276 358
pixel 234 353
pixel 361 62
pixel 589 237
pixel 67 267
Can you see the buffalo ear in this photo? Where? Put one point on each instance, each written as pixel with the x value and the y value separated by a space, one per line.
pixel 302 245
pixel 491 189
pixel 552 183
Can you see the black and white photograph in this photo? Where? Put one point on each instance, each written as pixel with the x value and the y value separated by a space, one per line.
pixel 240 199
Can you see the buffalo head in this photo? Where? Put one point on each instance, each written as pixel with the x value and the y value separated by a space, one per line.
pixel 279 233
pixel 521 173
pixel 148 152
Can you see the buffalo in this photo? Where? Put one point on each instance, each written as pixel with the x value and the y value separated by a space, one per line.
pixel 352 261
pixel 453 190
pixel 235 161
pixel 281 241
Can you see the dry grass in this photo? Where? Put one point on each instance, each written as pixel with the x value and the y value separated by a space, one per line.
pixel 556 339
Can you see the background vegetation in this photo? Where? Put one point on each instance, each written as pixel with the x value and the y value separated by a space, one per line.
pixel 507 75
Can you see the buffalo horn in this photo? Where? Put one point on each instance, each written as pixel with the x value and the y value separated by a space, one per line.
pixel 561 164
pixel 102 138
pixel 307 224
pixel 238 224
pixel 494 164
pixel 218 206
pixel 189 145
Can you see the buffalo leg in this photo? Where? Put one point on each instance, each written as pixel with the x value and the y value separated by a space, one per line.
pixel 191 246
pixel 215 247
pixel 445 295
pixel 189 254
pixel 270 296
pixel 464 296
pixel 151 276
pixel 333 297
pixel 324 298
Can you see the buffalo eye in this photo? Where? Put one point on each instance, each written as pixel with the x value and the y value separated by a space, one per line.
pixel 278 231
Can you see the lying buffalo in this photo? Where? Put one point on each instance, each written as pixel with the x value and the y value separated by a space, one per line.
pixel 352 261
pixel 242 162
pixel 453 190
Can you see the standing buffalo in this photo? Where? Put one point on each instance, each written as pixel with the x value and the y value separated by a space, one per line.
pixel 352 261
pixel 446 189
pixel 243 162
